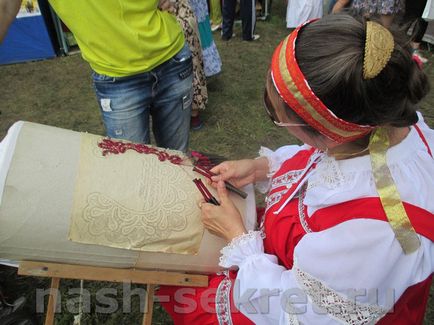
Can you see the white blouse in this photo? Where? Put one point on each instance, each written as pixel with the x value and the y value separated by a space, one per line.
pixel 298 11
pixel 358 260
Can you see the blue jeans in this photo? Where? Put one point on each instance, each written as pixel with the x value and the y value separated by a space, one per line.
pixel 165 93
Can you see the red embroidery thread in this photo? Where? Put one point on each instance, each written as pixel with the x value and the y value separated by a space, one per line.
pixel 110 146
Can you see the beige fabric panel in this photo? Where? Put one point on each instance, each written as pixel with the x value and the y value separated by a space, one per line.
pixel 37 202
pixel 135 201
pixel 37 205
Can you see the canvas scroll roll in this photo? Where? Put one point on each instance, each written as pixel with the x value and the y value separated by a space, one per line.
pixel 78 198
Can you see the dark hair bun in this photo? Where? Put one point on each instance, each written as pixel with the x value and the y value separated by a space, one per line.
pixel 330 54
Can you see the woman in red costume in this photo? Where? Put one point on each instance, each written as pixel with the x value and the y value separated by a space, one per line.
pixel 347 234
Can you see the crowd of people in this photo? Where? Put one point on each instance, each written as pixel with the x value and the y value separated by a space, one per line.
pixel 346 234
pixel 403 12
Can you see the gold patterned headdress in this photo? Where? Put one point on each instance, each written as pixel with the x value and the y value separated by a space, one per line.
pixel 379 46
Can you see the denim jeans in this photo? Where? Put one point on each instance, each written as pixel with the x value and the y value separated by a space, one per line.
pixel 165 93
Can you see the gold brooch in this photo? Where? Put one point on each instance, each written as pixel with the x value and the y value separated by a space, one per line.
pixel 379 46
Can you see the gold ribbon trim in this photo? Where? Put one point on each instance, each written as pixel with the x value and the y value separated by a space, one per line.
pixel 388 193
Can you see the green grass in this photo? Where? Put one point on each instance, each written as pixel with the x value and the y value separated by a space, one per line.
pixel 59 92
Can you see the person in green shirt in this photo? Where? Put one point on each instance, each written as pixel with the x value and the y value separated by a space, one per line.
pixel 141 65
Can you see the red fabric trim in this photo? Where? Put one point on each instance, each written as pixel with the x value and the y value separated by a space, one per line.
pixel 286 95
pixel 410 307
pixel 278 80
pixel 369 208
pixel 419 131
pixel 298 162
pixel 302 85
pixel 282 242
pixel 289 97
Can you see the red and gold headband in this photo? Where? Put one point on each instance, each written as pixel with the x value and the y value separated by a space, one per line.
pixel 294 89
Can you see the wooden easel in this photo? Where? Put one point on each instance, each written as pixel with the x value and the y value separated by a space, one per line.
pixel 66 271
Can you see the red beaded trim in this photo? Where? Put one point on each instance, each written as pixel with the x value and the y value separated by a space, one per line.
pixel 111 146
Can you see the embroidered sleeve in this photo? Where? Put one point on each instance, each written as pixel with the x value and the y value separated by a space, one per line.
pixel 240 248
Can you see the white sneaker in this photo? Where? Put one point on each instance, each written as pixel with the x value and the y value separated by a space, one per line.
pixel 227 39
pixel 255 37
pixel 215 27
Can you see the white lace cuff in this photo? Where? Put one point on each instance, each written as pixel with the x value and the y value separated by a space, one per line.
pixel 273 162
pixel 240 248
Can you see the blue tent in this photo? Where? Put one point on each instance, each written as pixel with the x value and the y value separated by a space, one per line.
pixel 27 38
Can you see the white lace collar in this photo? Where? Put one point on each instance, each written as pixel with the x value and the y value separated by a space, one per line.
pixel 334 181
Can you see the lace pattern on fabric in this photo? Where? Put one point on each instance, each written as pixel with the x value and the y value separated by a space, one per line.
pixel 301 213
pixel 343 309
pixel 327 173
pixel 223 301
pixel 108 218
pixel 292 319
pixel 274 198
pixel 238 241
pixel 288 179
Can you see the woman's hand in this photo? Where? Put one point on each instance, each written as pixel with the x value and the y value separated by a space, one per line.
pixel 241 172
pixel 339 6
pixel 223 220
pixel 166 5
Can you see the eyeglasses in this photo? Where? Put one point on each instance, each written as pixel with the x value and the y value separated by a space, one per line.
pixel 271 112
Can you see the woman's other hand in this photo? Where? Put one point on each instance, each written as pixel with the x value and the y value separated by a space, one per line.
pixel 241 172
pixel 166 5
pixel 223 220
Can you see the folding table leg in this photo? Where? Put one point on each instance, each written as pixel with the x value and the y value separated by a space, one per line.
pixel 52 301
pixel 149 304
